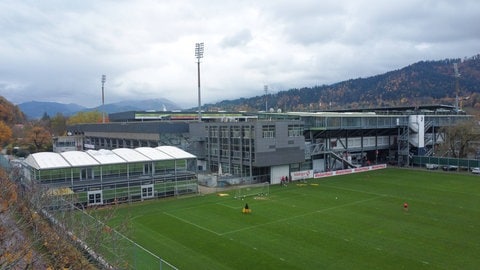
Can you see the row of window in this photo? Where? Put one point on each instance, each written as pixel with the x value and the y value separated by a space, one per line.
pixel 268 131
pixel 231 132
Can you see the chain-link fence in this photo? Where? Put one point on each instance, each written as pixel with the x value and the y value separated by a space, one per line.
pixel 446 163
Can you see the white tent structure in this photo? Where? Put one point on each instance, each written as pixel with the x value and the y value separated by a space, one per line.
pixel 105 176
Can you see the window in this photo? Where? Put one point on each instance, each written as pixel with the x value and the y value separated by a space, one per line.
pixel 213 131
pixel 295 131
pixel 268 131
pixel 224 132
pixel 236 132
pixel 147 191
pixel 247 132
pixel 95 197
pixel 147 168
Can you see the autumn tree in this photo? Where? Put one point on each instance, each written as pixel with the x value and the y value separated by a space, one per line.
pixel 58 125
pixel 39 138
pixel 459 138
pixel 85 118
pixel 5 134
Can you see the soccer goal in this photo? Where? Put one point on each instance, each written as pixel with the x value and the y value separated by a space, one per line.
pixel 259 190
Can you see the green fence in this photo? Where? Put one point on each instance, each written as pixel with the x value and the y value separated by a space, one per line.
pixel 465 164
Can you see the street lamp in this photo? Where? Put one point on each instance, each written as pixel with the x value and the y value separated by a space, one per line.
pixel 198 55
pixel 104 79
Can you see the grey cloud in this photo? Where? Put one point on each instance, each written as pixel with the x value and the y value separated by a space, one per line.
pixel 57 50
pixel 240 38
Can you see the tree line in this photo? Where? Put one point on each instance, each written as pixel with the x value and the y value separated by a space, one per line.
pixel 20 136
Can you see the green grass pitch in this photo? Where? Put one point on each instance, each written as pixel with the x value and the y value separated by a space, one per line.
pixel 345 222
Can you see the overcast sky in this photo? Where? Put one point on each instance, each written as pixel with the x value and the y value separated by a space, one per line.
pixel 56 50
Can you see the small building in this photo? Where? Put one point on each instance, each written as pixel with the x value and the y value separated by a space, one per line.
pixel 67 143
pixel 99 177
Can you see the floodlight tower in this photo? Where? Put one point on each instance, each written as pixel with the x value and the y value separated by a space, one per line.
pixel 104 79
pixel 457 89
pixel 265 88
pixel 199 54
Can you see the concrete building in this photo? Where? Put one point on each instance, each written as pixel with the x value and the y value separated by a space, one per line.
pixel 256 147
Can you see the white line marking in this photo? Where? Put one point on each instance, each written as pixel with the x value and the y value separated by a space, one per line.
pixel 302 215
pixel 229 206
pixel 191 223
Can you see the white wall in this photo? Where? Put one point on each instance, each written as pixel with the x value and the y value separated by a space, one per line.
pixel 276 173
pixel 417 124
pixel 318 165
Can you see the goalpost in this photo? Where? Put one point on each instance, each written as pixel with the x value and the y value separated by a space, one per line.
pixel 259 190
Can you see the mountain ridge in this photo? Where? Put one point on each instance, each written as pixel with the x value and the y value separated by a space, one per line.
pixel 36 109
pixel 423 82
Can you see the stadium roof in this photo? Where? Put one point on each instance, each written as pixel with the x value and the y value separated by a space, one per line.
pixel 50 160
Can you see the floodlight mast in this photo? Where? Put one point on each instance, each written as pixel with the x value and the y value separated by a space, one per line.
pixel 457 89
pixel 199 54
pixel 265 88
pixel 104 79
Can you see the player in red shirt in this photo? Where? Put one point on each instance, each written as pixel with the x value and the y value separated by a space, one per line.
pixel 405 206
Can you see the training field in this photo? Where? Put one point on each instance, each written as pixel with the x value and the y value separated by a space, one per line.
pixel 344 222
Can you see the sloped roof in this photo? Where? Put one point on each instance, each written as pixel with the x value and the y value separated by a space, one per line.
pixel 104 156
pixel 175 152
pixel 154 153
pixel 46 160
pixel 130 155
pixel 79 159
pixel 50 160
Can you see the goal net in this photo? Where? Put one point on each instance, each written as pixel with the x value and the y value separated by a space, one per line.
pixel 261 189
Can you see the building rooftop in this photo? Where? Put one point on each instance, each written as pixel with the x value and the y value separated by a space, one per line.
pixel 50 160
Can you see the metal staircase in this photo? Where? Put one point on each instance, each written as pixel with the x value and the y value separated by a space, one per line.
pixel 344 161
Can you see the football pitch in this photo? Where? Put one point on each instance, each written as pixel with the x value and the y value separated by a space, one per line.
pixel 352 221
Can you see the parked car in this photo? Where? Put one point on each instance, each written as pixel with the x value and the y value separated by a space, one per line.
pixel 450 168
pixel 476 170
pixel 430 166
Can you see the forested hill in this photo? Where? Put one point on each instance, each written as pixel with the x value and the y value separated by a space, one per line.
pixel 426 82
pixel 9 113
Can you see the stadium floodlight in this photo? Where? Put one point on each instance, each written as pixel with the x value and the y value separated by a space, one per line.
pixel 265 88
pixel 104 79
pixel 199 54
